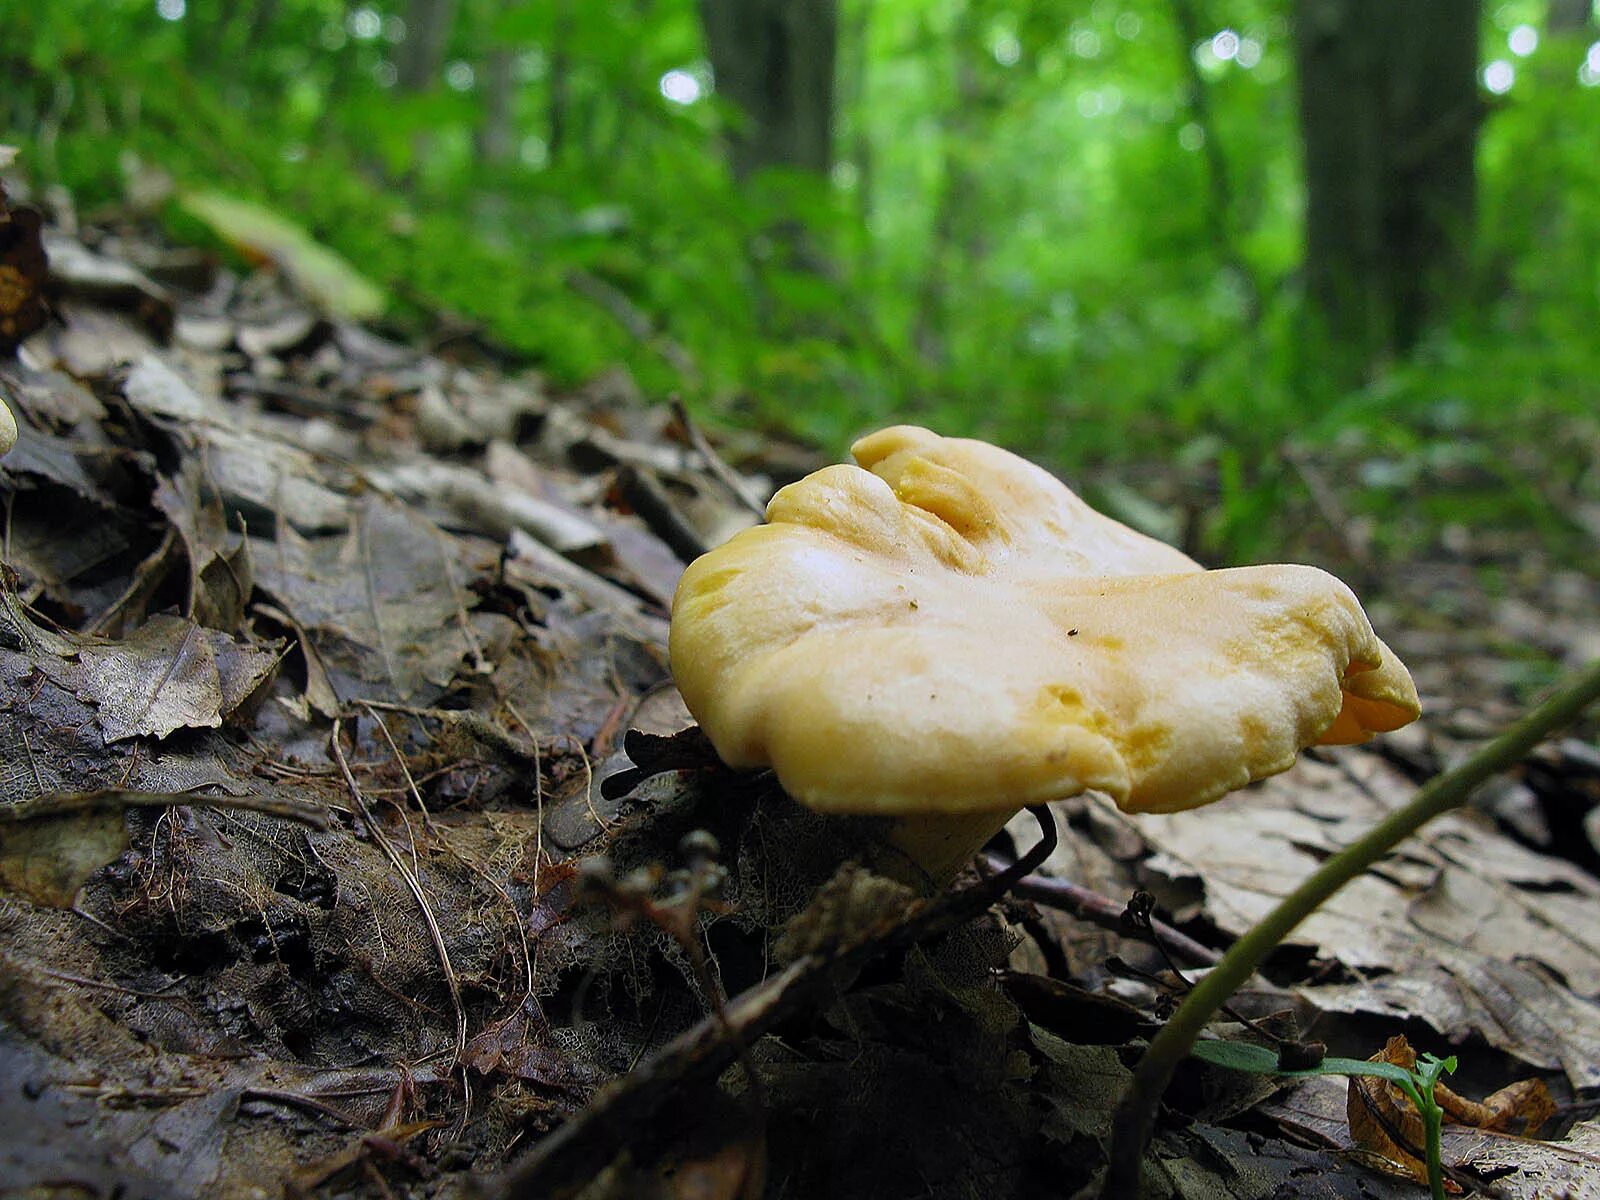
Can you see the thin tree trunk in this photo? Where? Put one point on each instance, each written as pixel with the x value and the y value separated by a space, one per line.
pixel 852 90
pixel 774 59
pixel 1389 115
pixel 496 140
pixel 1219 180
pixel 1570 16
pixel 558 95
pixel 421 56
pixel 956 241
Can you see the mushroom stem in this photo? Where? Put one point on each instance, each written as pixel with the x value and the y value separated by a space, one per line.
pixel 934 847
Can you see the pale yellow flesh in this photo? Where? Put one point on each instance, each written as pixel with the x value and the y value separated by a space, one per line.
pixel 925 850
pixel 946 628
pixel 8 429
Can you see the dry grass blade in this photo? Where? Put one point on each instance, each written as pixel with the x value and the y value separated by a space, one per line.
pixel 415 885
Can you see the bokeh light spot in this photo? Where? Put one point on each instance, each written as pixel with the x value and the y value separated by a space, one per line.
pixel 680 87
pixel 364 24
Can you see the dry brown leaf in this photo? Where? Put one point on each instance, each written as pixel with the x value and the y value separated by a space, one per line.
pixel 1375 1107
pixel 48 860
pixel 1466 930
pixel 23 269
pixel 169 674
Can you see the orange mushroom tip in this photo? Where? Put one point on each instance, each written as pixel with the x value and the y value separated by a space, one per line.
pixel 945 628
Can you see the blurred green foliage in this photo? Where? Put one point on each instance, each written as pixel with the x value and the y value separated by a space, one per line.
pixel 1058 223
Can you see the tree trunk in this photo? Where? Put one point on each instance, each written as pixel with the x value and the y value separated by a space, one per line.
pixel 1570 16
pixel 496 140
pixel 774 60
pixel 1389 115
pixel 421 55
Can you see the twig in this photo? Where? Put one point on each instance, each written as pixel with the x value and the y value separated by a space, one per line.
pixel 721 471
pixel 645 495
pixel 574 1153
pixel 63 804
pixel 411 882
pixel 299 1100
pixel 1136 1115
pixel 1068 897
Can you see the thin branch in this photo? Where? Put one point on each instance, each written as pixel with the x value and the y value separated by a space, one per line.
pixel 1068 897
pixel 65 804
pixel 720 471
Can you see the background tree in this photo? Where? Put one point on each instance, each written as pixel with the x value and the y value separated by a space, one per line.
pixel 1570 16
pixel 774 60
pixel 1389 113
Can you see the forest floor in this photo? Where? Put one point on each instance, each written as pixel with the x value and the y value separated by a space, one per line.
pixel 321 657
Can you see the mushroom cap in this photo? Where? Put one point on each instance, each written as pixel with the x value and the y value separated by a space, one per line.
pixel 948 628
pixel 8 430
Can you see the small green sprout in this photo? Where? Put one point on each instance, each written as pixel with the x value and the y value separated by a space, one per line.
pixel 1417 1084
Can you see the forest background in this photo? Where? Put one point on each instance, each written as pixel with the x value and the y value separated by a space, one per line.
pixel 1238 266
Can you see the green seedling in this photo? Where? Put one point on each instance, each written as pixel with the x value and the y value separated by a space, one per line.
pixel 1417 1084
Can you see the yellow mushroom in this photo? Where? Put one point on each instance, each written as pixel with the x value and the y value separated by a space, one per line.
pixel 945 633
pixel 8 430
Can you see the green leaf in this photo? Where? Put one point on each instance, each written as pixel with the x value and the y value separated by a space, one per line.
pixel 1243 1056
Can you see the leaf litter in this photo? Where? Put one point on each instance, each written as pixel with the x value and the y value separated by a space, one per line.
pixel 263 562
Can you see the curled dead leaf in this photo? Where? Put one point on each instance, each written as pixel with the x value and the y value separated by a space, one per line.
pixel 1388 1129
pixel 23 268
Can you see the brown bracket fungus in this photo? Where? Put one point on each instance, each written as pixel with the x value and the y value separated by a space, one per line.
pixel 945 634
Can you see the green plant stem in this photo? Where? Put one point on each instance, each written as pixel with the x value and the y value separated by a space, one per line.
pixel 1432 1126
pixel 1136 1115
